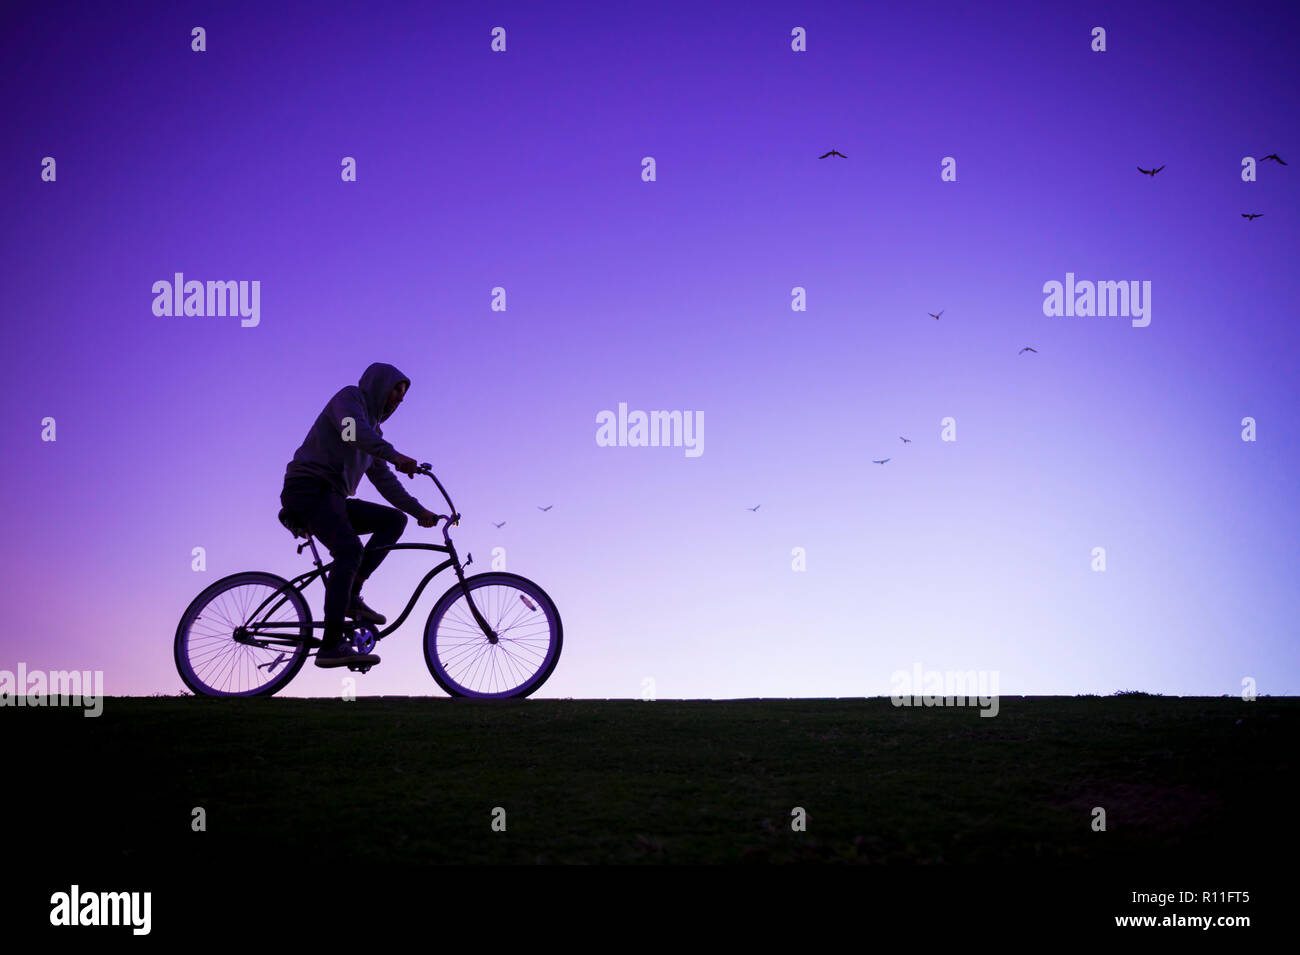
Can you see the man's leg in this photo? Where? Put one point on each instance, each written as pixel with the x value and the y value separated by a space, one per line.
pixel 326 514
pixel 385 526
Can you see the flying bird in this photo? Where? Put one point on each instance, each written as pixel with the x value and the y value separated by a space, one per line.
pixel 882 462
pixel 498 526
pixel 1252 216
pixel 1275 157
pixel 1150 172
pixel 546 508
pixel 904 440
pixel 754 508
pixel 1027 348
pixel 934 316
pixel 833 152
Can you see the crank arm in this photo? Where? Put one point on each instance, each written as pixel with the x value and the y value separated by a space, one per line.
pixel 270 667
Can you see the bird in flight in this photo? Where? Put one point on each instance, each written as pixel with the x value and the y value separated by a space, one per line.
pixel 498 526
pixel 546 508
pixel 1027 348
pixel 904 440
pixel 1252 216
pixel 833 152
pixel 934 316
pixel 1150 172
pixel 1275 157
pixel 882 462
pixel 754 508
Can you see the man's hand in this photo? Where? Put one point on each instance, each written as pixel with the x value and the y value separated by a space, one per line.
pixel 407 466
pixel 427 519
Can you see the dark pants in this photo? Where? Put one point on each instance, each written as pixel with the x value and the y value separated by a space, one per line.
pixel 336 521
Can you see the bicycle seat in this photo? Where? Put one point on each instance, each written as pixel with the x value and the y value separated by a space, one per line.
pixel 293 523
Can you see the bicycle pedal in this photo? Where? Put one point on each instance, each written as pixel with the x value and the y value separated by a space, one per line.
pixel 359 667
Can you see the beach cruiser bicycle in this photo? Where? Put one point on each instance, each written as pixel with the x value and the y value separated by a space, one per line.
pixel 491 636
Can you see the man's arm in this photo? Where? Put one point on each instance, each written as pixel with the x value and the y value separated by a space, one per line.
pixel 391 488
pixel 345 406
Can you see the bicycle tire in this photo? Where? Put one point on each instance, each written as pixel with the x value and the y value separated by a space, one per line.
pixel 181 645
pixel 555 644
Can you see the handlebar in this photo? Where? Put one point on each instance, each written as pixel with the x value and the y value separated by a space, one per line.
pixel 452 518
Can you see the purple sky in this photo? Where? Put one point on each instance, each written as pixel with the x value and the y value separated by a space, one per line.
pixel 523 170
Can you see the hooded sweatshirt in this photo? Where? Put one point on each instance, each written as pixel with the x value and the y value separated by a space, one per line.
pixel 324 454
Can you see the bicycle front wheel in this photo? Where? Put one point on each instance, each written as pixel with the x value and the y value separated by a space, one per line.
pixel 213 663
pixel 465 662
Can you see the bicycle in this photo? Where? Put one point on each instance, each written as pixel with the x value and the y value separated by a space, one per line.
pixel 509 639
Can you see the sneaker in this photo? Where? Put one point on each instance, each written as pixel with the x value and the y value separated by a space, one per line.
pixel 343 655
pixel 358 610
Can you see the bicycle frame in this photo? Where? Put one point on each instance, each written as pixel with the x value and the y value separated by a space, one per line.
pixel 302 581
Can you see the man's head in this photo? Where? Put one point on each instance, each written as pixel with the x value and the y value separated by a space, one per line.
pixel 384 387
pixel 395 397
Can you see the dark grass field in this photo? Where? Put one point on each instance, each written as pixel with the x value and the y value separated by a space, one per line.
pixel 1188 781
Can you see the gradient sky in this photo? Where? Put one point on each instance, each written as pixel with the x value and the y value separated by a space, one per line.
pixel 523 170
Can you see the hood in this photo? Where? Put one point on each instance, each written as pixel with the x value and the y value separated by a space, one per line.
pixel 377 381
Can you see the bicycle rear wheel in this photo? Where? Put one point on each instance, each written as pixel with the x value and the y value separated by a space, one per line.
pixel 462 659
pixel 213 663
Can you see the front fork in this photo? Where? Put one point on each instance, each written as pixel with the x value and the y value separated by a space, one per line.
pixel 473 608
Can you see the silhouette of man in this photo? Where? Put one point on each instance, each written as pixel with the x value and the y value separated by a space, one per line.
pixel 345 442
